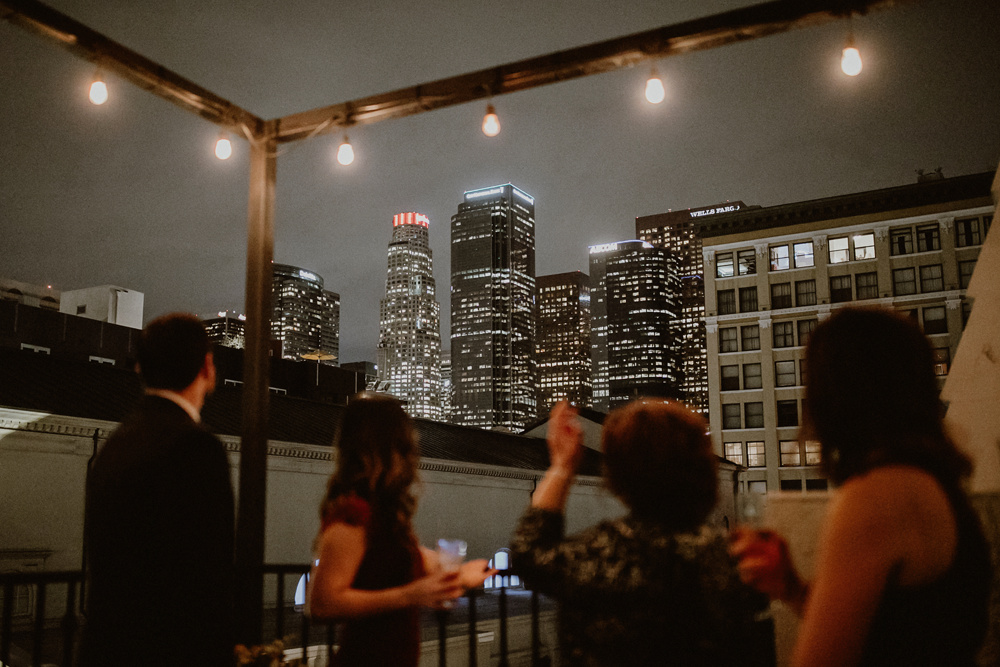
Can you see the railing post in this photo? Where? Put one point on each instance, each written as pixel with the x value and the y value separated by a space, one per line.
pixel 279 622
pixel 504 660
pixel 536 639
pixel 69 622
pixel 39 631
pixel 473 635
pixel 442 622
pixel 331 638
pixel 5 626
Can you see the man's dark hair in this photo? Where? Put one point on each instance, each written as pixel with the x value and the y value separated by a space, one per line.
pixel 172 349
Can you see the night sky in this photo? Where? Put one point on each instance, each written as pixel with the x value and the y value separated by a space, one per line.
pixel 130 193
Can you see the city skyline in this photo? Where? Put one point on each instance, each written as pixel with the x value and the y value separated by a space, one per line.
pixel 130 193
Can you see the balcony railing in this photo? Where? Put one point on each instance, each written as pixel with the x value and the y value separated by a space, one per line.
pixel 41 619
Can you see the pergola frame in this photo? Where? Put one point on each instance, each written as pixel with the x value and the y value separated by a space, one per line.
pixel 264 136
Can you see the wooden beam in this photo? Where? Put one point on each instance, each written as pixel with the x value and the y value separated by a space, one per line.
pixel 110 56
pixel 696 35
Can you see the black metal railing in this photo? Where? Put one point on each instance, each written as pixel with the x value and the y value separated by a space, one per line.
pixel 50 636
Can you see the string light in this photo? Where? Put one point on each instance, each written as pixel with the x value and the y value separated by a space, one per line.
pixel 654 88
pixel 850 62
pixel 98 90
pixel 345 154
pixel 223 147
pixel 491 123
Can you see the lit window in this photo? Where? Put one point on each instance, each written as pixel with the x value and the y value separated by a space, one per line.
pixel 803 254
pixel 790 455
pixel 779 257
pixel 723 265
pixel 839 250
pixel 734 452
pixel 755 459
pixel 746 262
pixel 864 246
pixel 942 360
pixel 814 457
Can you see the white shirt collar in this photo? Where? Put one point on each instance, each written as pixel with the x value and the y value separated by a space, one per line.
pixel 187 405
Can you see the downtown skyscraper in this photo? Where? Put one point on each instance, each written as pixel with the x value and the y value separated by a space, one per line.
pixel 493 312
pixel 409 346
pixel 634 306
pixel 305 317
pixel 562 346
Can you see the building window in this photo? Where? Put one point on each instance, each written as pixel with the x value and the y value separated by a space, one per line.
pixel 935 321
pixel 966 312
pixel 790 455
pixel 723 265
pixel 839 250
pixel 730 378
pixel 731 416
pixel 931 278
pixel 779 258
pixel 727 340
pixel 754 415
pixel 901 241
pixel 867 285
pixel 840 289
pixel 755 455
pixel 726 299
pixel 942 360
pixel 784 374
pixel 805 329
pixel 864 246
pixel 967 232
pixel 987 222
pixel 788 413
pixel 805 293
pixel 748 299
pixel 928 238
pixel 81 310
pixel 784 334
pixel 781 295
pixel 751 376
pixel 813 457
pixel 816 485
pixel 904 282
pixel 746 262
pixel 803 253
pixel 965 270
pixel 750 336
pixel 734 452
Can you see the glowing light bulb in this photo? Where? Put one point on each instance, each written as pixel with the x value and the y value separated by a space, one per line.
pixel 98 91
pixel 654 89
pixel 345 154
pixel 491 124
pixel 223 148
pixel 851 60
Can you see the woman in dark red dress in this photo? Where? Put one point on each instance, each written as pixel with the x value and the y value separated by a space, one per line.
pixel 371 573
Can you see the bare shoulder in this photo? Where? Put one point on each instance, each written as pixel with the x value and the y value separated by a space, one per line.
pixel 892 490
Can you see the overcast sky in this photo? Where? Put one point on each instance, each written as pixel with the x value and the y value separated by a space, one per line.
pixel 131 194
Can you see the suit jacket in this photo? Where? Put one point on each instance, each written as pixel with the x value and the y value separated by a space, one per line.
pixel 159 544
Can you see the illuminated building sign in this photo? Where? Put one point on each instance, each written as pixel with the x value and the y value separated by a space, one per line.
pixel 476 194
pixel 728 208
pixel 410 219
pixel 498 190
pixel 611 247
pixel 306 275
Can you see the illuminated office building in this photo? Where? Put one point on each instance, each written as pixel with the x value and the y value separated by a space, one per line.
pixel 409 346
pixel 226 329
pixel 305 317
pixel 675 232
pixel 562 347
pixel 634 308
pixel 773 273
pixel 493 309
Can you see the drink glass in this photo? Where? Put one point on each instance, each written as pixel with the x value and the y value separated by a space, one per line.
pixel 451 553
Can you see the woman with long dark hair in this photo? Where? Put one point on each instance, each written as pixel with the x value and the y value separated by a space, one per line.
pixel 371 573
pixel 903 569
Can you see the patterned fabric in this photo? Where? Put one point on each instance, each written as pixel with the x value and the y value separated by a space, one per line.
pixel 633 593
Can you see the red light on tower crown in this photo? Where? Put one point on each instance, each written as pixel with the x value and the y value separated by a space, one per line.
pixel 410 218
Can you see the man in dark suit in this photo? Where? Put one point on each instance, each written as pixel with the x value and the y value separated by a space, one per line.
pixel 160 518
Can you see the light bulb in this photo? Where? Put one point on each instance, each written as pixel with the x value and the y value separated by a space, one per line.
pixel 345 154
pixel 851 61
pixel 223 148
pixel 98 91
pixel 491 124
pixel 654 89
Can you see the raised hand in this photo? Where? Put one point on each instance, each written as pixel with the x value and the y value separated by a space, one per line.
pixel 565 438
pixel 474 573
pixel 765 563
